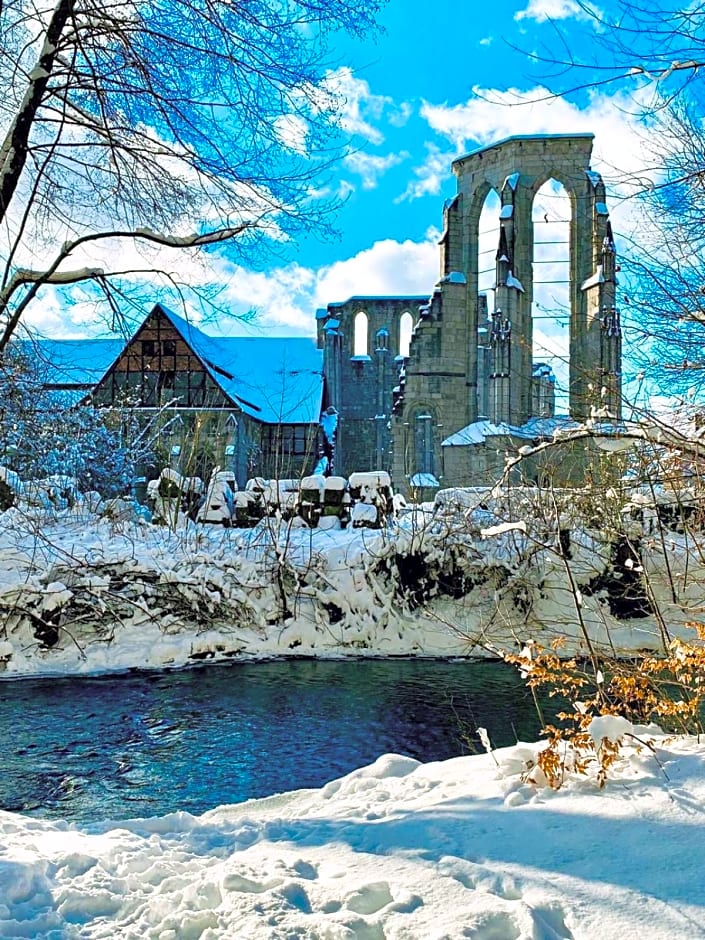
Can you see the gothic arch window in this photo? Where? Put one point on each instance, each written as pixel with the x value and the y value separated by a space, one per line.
pixel 360 336
pixel 550 309
pixel 423 423
pixel 487 241
pixel 406 325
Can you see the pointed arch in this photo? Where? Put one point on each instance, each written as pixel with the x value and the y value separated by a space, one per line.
pixel 487 240
pixel 551 216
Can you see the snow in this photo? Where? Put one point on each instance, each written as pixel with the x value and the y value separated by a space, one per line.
pixel 473 847
pixel 329 423
pixel 420 480
pixel 315 482
pixel 364 514
pixel 370 478
pixel 594 177
pixel 502 528
pixel 597 278
pixel 609 728
pixel 397 850
pixel 454 277
pixel 82 594
pixel 514 282
pixel 479 431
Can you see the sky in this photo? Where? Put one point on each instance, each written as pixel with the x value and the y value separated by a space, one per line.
pixel 423 92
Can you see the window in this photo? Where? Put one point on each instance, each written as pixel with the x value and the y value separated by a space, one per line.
pixel 166 380
pixel 293 439
pixel 423 433
pixel 169 347
pixel 406 325
pixel 149 389
pixel 147 347
pixel 360 341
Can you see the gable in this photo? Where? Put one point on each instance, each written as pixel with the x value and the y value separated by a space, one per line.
pixel 273 380
pixel 156 367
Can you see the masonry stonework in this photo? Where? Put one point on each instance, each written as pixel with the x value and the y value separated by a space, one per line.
pixel 507 383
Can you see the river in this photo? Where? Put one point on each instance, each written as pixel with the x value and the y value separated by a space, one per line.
pixel 149 744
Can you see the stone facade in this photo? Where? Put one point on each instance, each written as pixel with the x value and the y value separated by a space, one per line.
pixel 365 344
pixel 465 362
pixel 445 375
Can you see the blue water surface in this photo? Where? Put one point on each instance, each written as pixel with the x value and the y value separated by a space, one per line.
pixel 149 744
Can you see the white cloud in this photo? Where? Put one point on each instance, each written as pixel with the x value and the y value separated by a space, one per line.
pixel 487 41
pixel 285 299
pixel 430 175
pixel 619 151
pixel 543 10
pixel 357 104
pixel 401 115
pixel 370 166
pixel 388 267
pixel 292 130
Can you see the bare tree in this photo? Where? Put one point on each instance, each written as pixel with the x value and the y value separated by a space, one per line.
pixel 178 124
pixel 653 52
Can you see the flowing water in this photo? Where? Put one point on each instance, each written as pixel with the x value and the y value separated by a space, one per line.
pixel 149 744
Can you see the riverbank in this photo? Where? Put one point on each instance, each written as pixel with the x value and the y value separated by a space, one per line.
pixel 469 847
pixel 85 595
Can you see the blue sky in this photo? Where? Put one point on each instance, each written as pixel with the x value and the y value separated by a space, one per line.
pixel 441 79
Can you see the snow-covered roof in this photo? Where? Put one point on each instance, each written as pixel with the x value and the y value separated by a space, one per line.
pixel 273 379
pixel 479 431
pixel 420 480
pixel 72 363
pixel 547 427
pixel 453 277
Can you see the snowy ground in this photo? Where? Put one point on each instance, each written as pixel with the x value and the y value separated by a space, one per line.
pixel 399 849
pixel 466 848
pixel 80 594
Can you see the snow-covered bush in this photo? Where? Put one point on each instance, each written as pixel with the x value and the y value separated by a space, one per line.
pixel 47 434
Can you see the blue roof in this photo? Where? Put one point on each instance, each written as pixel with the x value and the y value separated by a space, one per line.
pixel 275 380
pixel 76 363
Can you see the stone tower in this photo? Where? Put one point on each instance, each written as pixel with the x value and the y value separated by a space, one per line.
pixel 439 394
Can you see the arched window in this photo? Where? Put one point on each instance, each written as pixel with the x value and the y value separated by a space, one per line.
pixel 406 325
pixel 360 341
pixel 551 217
pixel 487 241
pixel 423 428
